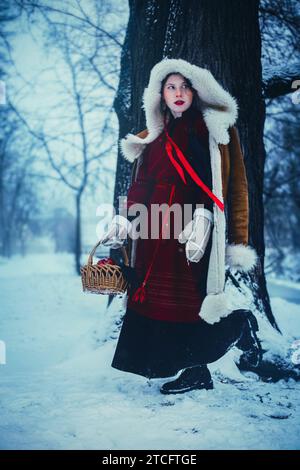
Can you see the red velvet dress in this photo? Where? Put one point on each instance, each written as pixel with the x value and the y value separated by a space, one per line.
pixel 175 288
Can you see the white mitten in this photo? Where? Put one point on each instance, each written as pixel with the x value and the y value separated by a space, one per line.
pixel 117 232
pixel 196 234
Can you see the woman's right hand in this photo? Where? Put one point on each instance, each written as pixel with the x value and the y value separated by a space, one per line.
pixel 117 232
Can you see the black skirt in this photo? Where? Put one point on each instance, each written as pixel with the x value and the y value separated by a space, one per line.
pixel 156 349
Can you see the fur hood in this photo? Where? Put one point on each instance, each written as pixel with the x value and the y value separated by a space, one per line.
pixel 219 108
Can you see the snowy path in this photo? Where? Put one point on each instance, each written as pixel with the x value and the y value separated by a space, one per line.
pixel 58 390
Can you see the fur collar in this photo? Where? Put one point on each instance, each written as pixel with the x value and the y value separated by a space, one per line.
pixel 219 108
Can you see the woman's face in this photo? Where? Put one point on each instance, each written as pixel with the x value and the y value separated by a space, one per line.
pixel 177 94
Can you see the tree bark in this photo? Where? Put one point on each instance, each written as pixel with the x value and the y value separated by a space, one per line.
pixel 280 82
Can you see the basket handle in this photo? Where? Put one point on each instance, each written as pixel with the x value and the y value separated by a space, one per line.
pixel 123 249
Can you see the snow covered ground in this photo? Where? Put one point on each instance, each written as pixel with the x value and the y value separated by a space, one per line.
pixel 59 391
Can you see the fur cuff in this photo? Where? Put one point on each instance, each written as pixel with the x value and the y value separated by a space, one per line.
pixel 240 257
pixel 214 307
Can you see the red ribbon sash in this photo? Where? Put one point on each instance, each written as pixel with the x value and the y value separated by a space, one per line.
pixel 169 143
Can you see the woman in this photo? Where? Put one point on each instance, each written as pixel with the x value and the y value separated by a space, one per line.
pixel 177 315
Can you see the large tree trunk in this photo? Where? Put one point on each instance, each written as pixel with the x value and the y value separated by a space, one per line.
pixel 225 38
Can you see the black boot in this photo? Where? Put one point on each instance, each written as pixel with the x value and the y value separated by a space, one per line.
pixel 192 378
pixel 249 343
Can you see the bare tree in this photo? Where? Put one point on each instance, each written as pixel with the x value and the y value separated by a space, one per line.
pixel 280 33
pixel 17 190
pixel 281 190
pixel 280 21
pixel 80 143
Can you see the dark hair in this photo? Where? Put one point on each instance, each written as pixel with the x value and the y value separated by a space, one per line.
pixel 195 103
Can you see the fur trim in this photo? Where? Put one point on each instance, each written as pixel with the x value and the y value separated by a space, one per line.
pixel 219 108
pixel 216 269
pixel 241 257
pixel 214 307
pixel 131 147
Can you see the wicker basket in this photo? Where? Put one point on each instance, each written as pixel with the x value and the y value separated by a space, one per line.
pixel 104 279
